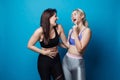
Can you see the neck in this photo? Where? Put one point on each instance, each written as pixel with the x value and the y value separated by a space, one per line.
pixel 51 27
pixel 51 30
pixel 80 25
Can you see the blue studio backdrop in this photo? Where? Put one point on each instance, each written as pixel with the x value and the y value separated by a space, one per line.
pixel 20 18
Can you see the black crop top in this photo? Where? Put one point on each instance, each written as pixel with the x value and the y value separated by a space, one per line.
pixel 52 42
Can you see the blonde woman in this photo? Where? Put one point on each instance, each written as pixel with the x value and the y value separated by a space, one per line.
pixel 78 39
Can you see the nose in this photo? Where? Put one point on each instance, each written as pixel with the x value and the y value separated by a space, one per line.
pixel 72 17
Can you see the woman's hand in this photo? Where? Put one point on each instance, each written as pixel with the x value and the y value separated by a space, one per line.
pixel 50 53
pixel 75 31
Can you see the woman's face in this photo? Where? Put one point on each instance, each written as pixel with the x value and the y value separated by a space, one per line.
pixel 76 18
pixel 53 20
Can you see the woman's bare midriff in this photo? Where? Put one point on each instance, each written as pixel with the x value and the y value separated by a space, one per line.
pixel 72 50
pixel 53 49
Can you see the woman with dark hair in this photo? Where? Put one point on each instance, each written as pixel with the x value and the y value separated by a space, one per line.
pixel 48 35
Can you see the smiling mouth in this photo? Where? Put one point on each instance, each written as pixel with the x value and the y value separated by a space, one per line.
pixel 74 20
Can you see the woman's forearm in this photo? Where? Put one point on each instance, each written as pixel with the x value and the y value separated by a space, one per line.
pixel 63 45
pixel 35 49
pixel 78 44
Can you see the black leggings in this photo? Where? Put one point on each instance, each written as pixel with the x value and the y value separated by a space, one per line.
pixel 48 66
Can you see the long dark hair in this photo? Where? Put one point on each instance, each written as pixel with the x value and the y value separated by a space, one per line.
pixel 45 23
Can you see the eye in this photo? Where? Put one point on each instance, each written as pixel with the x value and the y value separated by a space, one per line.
pixel 75 14
pixel 72 15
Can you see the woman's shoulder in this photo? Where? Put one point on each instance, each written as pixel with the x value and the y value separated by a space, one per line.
pixel 39 30
pixel 59 26
pixel 87 30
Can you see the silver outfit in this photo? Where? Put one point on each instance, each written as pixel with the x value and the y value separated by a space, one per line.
pixel 74 69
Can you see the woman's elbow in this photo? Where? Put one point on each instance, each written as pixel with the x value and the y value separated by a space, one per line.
pixel 80 50
pixel 66 44
pixel 29 46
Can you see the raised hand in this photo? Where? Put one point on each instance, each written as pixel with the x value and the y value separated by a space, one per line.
pixel 75 31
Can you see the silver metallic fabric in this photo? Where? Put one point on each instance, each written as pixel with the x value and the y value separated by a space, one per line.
pixel 74 69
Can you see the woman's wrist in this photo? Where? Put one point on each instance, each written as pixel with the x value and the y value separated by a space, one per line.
pixel 42 52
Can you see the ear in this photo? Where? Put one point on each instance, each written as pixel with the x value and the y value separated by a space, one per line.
pixel 82 16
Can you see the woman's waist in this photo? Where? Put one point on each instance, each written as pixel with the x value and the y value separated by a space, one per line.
pixel 74 55
pixel 52 49
pixel 73 50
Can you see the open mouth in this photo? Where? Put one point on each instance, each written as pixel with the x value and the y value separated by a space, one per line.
pixel 74 20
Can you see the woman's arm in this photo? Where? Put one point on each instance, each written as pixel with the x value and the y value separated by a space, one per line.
pixel 62 44
pixel 81 44
pixel 63 38
pixel 34 38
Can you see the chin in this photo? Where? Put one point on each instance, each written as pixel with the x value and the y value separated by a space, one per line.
pixel 54 24
pixel 75 22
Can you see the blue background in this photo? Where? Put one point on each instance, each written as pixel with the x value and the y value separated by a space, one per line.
pixel 20 18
